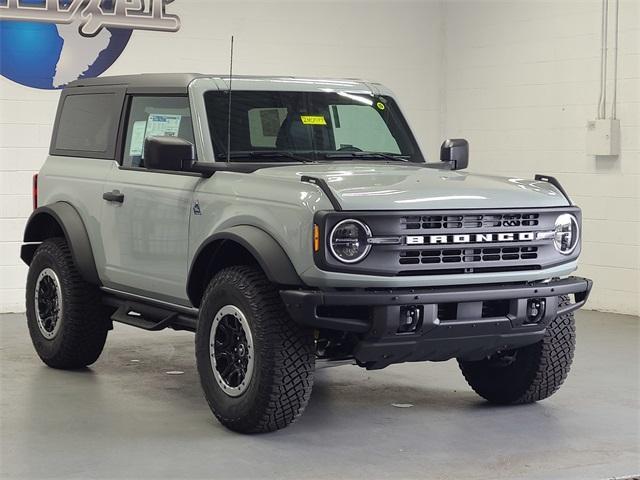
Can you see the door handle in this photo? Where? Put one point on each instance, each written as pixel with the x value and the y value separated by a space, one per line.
pixel 114 196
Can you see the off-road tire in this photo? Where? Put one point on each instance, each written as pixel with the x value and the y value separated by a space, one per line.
pixel 537 371
pixel 284 355
pixel 84 322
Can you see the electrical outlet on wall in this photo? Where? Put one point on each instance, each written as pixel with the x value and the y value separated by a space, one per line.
pixel 603 137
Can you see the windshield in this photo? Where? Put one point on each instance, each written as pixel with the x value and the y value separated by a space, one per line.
pixel 309 126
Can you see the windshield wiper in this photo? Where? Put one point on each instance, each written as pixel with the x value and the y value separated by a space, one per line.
pixel 357 155
pixel 272 154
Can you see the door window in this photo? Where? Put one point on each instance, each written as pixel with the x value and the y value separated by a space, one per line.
pixel 155 116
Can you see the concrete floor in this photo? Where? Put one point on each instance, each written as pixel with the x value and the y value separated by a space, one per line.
pixel 127 418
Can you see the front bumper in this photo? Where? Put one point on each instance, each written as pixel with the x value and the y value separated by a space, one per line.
pixel 467 322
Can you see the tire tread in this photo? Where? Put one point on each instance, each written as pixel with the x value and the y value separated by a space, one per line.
pixel 544 370
pixel 288 355
pixel 85 322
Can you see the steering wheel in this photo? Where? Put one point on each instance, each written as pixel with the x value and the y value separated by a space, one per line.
pixel 349 148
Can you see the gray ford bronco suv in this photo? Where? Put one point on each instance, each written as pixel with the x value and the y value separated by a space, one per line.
pixel 292 222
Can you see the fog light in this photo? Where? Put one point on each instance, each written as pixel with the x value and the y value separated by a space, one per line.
pixel 535 310
pixel 410 319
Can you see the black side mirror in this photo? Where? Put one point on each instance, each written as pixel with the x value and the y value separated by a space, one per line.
pixel 455 151
pixel 167 153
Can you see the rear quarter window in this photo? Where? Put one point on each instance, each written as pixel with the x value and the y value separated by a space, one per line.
pixel 87 125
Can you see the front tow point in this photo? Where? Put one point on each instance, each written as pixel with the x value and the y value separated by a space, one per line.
pixel 410 319
pixel 536 308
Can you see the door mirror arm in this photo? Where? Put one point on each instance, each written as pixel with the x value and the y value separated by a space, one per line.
pixel 204 169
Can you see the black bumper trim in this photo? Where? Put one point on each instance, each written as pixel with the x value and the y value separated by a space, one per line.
pixel 302 304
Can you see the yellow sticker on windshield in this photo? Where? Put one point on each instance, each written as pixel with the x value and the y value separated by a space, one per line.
pixel 313 119
pixel 380 106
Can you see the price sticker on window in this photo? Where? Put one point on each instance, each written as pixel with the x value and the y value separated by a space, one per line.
pixel 313 119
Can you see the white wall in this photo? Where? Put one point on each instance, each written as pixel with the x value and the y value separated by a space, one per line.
pixel 521 82
pixel 518 78
pixel 397 43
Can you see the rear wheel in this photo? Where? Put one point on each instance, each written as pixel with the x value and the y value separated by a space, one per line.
pixel 67 323
pixel 530 373
pixel 255 364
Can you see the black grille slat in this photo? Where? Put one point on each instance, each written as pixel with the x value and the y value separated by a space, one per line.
pixel 409 261
pixel 448 222
pixel 431 260
pixel 467 255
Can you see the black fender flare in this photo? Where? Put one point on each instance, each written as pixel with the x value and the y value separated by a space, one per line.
pixel 40 227
pixel 265 249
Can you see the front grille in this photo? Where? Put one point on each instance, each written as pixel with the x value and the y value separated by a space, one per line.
pixel 437 251
pixel 466 255
pixel 449 242
pixel 492 220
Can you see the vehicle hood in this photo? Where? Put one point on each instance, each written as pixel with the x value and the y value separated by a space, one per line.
pixel 380 186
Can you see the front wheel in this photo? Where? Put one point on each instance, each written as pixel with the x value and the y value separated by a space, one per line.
pixel 530 373
pixel 255 364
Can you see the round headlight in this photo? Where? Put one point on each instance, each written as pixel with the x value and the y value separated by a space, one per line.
pixel 349 241
pixel 567 234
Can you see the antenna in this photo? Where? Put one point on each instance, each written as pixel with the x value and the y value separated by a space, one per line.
pixel 229 102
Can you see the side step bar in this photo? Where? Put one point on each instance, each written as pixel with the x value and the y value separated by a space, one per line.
pixel 148 317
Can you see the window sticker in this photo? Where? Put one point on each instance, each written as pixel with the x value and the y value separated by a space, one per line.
pixel 380 106
pixel 163 125
pixel 313 119
pixel 137 138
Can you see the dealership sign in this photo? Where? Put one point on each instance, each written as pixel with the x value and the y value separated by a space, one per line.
pixel 49 43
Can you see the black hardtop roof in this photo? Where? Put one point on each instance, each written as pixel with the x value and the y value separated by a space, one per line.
pixel 143 80
pixel 179 82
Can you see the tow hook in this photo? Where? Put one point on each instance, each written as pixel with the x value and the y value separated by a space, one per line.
pixel 410 319
pixel 535 310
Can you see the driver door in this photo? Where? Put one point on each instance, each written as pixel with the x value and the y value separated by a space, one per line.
pixel 146 213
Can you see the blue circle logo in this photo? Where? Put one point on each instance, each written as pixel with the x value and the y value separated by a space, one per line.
pixel 54 49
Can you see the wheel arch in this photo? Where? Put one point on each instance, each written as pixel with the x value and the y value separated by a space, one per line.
pixel 242 244
pixel 61 219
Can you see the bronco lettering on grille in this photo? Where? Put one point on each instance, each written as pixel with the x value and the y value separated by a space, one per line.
pixel 470 238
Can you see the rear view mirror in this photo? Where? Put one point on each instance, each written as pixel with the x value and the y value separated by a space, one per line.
pixel 455 151
pixel 167 153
